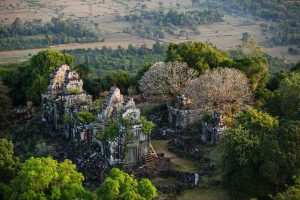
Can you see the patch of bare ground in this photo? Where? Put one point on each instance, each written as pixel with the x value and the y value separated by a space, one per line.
pixel 225 35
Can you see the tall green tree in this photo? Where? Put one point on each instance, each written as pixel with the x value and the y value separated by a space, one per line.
pixel 8 162
pixel 261 155
pixel 250 155
pixel 120 185
pixel 41 65
pixel 198 55
pixel 120 79
pixel 45 178
pixel 47 61
pixel 288 137
pixel 256 70
pixel 289 94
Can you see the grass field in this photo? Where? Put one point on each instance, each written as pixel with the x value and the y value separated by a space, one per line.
pixel 225 35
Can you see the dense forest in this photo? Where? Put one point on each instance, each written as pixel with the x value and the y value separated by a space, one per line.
pixel 130 59
pixel 34 34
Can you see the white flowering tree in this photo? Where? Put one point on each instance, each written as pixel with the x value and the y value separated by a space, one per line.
pixel 166 80
pixel 220 89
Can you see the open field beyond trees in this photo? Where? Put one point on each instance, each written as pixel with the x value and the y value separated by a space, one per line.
pixel 107 17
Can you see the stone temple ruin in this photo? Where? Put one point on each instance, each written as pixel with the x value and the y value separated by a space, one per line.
pixel 140 145
pixel 183 117
pixel 65 98
pixel 213 131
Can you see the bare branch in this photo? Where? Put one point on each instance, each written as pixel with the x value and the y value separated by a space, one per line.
pixel 220 89
pixel 166 80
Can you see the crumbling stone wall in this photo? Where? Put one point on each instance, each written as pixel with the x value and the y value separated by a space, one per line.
pixel 213 132
pixel 65 98
pixel 114 104
pixel 183 118
pixel 58 102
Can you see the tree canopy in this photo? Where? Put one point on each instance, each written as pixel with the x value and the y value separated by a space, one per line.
pixel 261 154
pixel 8 162
pixel 292 192
pixel 199 56
pixel 220 89
pixel 166 80
pixel 255 68
pixel 289 94
pixel 120 185
pixel 45 178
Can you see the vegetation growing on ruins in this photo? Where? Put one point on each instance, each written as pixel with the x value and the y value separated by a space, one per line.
pixel 86 116
pixel 260 152
pixel 58 142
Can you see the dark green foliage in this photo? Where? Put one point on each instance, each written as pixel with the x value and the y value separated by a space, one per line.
pixel 5 105
pixel 41 65
pixel 296 68
pixel 119 78
pixel 26 35
pixel 120 185
pixel 118 125
pixel 255 68
pixel 275 80
pixel 27 81
pixel 106 59
pixel 292 192
pixel 289 93
pixel 95 85
pixel 288 135
pixel 8 162
pixel 14 76
pixel 189 19
pixel 198 55
pixel 111 131
pixel 260 155
pixel 103 68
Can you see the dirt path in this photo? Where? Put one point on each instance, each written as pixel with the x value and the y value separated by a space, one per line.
pixel 161 146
